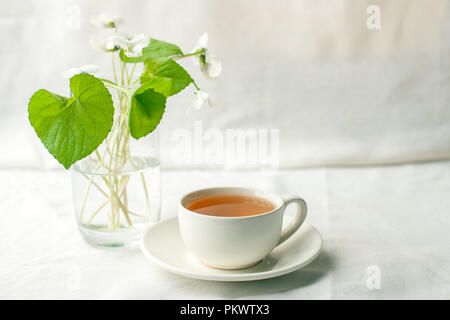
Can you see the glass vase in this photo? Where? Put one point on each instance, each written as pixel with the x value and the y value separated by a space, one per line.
pixel 116 190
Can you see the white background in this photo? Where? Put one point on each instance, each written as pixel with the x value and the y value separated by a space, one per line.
pixel 338 92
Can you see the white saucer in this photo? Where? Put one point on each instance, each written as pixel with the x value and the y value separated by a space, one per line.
pixel 162 244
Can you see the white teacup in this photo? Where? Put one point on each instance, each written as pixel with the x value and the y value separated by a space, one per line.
pixel 236 242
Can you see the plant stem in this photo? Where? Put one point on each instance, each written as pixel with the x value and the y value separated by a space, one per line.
pixel 83 207
pixel 107 196
pixel 115 157
pixel 146 196
pixel 97 211
pixel 114 67
pixel 131 74
pixel 200 51
pixel 111 85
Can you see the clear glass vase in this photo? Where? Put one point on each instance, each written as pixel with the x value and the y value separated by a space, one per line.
pixel 116 190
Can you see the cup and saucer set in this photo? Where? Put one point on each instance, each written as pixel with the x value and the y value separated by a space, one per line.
pixel 235 244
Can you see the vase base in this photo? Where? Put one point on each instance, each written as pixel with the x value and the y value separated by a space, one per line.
pixel 112 239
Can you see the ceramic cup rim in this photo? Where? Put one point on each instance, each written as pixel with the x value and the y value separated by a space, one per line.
pixel 278 205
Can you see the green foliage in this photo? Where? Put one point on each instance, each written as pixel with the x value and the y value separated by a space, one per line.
pixel 156 49
pixel 165 76
pixel 72 128
pixel 146 111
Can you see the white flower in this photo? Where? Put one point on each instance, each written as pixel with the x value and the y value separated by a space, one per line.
pixel 135 44
pixel 107 20
pixel 202 42
pixel 132 45
pixel 110 43
pixel 213 68
pixel 90 68
pixel 208 65
pixel 201 96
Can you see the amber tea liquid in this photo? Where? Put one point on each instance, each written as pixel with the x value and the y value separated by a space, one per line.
pixel 230 205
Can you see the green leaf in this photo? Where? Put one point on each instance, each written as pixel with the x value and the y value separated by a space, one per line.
pixel 156 49
pixel 160 49
pixel 146 111
pixel 165 76
pixel 72 128
pixel 125 58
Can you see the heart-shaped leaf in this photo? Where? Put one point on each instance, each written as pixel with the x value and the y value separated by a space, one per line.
pixel 165 76
pixel 146 111
pixel 156 49
pixel 160 49
pixel 72 128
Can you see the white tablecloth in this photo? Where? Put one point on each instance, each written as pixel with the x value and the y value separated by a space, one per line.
pixel 386 235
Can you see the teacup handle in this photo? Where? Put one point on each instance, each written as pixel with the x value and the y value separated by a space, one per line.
pixel 299 218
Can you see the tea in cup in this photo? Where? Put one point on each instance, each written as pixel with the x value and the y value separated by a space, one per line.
pixel 234 228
